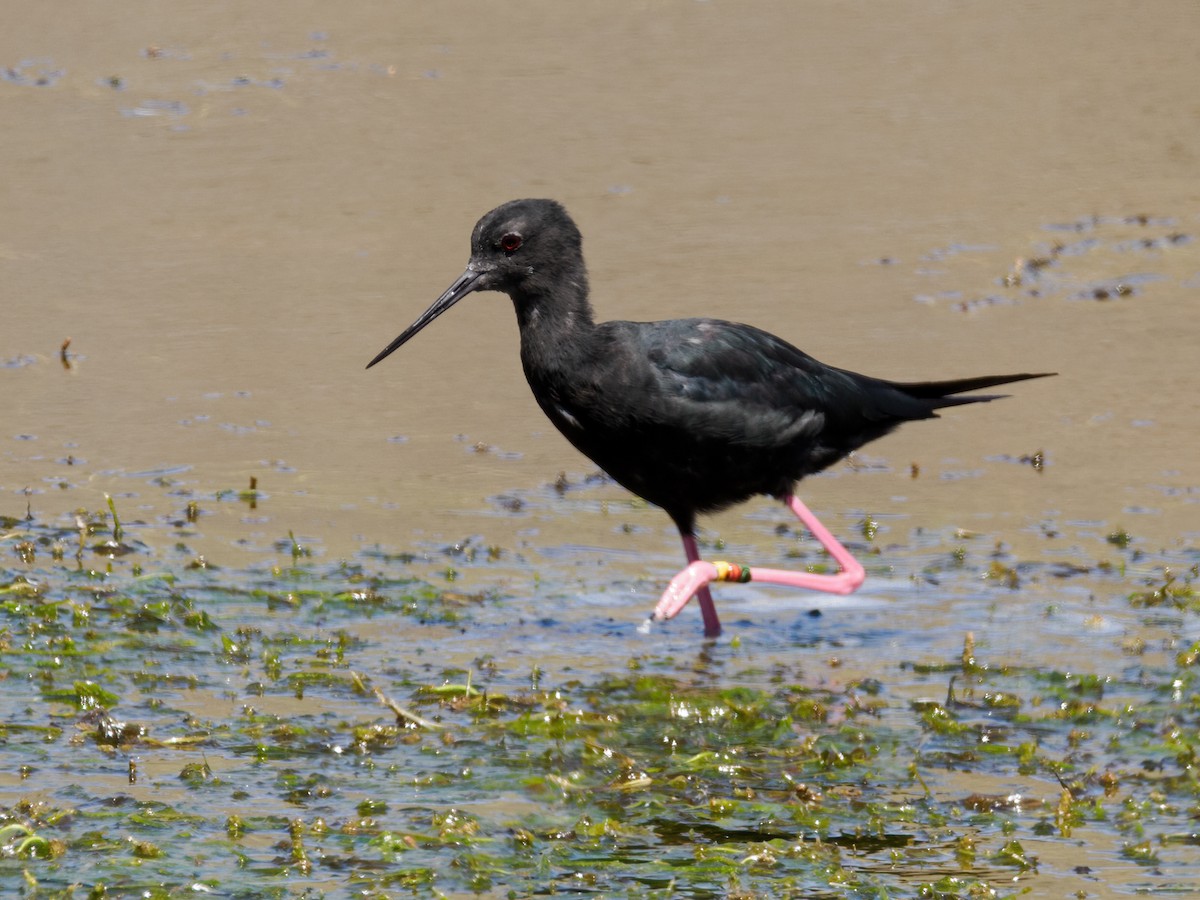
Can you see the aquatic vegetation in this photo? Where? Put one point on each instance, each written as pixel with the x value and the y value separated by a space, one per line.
pixel 314 725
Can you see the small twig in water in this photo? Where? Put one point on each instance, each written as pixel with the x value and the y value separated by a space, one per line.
pixel 402 713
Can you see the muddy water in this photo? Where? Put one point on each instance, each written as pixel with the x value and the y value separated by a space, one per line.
pixel 229 212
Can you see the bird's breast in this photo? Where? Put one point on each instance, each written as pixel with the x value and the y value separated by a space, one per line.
pixel 563 417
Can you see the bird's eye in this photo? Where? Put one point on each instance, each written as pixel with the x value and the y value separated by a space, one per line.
pixel 511 242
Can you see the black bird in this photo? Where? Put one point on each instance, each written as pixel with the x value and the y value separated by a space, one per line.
pixel 693 415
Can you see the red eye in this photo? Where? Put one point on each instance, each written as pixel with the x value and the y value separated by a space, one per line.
pixel 511 242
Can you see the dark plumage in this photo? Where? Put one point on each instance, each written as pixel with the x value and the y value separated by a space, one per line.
pixel 691 414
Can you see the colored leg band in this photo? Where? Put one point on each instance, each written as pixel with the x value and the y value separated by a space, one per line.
pixel 732 572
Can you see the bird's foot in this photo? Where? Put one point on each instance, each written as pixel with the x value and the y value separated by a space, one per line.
pixel 690 581
pixel 682 588
pixel 696 577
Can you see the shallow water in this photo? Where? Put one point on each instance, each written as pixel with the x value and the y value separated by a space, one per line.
pixel 229 214
pixel 175 726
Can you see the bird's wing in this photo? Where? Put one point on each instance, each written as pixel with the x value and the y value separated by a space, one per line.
pixel 738 383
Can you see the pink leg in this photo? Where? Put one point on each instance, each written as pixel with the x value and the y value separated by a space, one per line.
pixel 695 578
pixel 708 609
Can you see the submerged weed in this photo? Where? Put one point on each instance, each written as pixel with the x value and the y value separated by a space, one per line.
pixel 303 725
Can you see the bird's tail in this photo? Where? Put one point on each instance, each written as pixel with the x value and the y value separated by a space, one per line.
pixel 942 392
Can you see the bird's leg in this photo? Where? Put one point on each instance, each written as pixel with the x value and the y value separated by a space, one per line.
pixel 693 581
pixel 846 581
pixel 708 609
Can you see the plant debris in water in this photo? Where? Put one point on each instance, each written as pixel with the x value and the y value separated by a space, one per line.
pixel 289 731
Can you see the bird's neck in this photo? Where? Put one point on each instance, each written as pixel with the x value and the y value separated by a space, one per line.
pixel 555 319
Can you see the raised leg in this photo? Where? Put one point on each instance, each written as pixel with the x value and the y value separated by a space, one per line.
pixel 694 580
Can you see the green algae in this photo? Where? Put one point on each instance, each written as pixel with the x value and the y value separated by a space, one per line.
pixel 218 730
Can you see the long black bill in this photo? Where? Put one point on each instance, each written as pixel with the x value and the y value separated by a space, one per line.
pixel 463 286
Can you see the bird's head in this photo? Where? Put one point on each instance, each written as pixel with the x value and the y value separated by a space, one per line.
pixel 521 248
